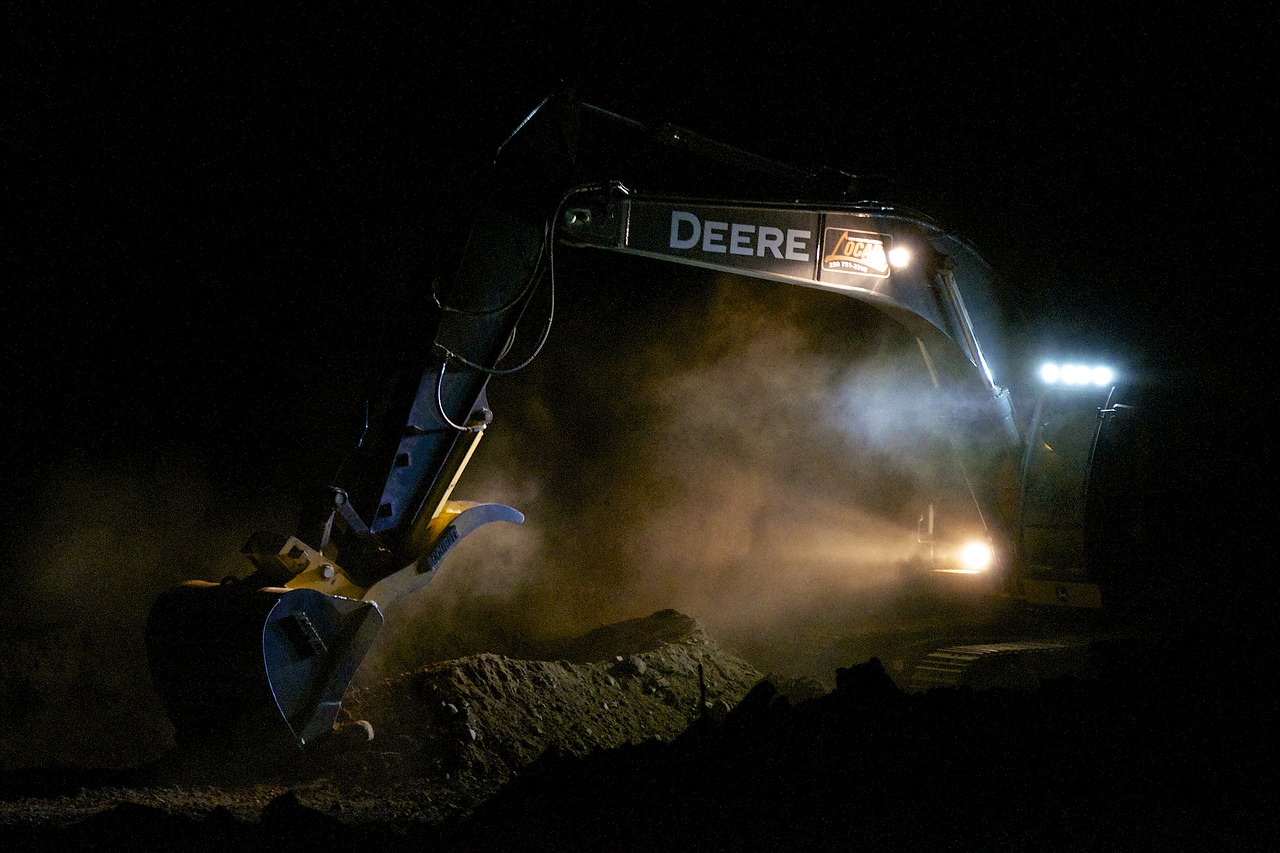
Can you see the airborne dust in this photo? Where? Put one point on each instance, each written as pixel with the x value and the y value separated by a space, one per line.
pixel 753 454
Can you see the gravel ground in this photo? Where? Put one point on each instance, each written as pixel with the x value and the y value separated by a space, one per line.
pixel 647 735
pixel 447 736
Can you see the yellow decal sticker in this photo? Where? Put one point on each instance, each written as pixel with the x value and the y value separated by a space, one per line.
pixel 856 253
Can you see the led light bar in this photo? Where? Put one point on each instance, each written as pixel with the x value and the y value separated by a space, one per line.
pixel 1078 375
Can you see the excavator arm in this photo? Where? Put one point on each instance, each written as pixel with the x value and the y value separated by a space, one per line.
pixel 282 644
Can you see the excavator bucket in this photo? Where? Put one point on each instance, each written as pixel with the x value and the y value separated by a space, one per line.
pixel 230 658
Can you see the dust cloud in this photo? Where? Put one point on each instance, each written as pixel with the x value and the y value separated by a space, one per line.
pixel 752 454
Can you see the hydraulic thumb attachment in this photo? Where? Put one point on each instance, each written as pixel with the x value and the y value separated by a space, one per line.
pixel 232 661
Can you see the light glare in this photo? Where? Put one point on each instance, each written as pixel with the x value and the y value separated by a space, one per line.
pixel 976 556
pixel 1076 374
pixel 899 257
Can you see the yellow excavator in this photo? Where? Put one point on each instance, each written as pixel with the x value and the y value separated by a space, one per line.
pixel 275 651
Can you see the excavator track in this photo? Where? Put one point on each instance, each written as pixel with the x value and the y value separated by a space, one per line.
pixel 1013 665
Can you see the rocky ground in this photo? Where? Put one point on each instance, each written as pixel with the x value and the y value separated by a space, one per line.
pixel 648 735
pixel 447 736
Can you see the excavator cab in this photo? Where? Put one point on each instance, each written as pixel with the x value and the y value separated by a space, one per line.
pixel 1073 523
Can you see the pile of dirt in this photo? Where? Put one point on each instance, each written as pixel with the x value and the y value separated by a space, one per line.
pixel 447 735
pixel 473 723
pixel 629 748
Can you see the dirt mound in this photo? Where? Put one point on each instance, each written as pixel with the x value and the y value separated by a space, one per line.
pixel 631 637
pixel 1119 762
pixel 447 735
pixel 487 716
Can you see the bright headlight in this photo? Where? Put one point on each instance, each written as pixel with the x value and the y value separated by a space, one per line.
pixel 976 556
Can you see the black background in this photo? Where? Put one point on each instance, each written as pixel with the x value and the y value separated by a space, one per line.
pixel 216 217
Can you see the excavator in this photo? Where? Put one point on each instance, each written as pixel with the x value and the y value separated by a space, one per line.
pixel 278 648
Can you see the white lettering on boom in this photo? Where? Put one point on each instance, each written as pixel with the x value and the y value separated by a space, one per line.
pixel 689 232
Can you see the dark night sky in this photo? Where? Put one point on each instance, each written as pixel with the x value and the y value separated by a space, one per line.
pixel 218 216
